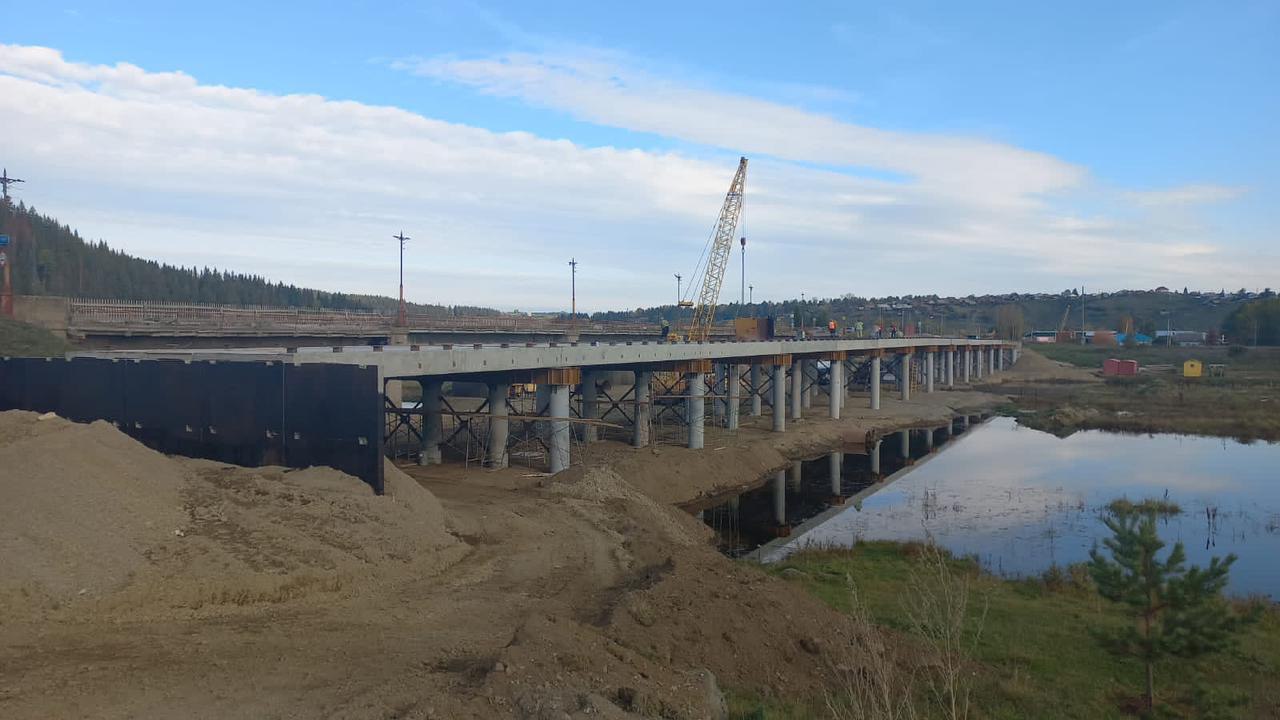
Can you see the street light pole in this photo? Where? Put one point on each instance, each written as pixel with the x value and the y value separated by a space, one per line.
pixel 752 297
pixel 402 319
pixel 679 294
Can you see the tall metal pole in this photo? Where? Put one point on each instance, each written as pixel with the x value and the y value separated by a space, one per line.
pixel 573 291
pixel 402 318
pixel 751 298
pixel 679 294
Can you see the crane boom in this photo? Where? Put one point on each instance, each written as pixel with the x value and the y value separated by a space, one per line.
pixel 704 313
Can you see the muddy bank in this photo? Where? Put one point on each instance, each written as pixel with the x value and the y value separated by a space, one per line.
pixel 733 461
pixel 1243 406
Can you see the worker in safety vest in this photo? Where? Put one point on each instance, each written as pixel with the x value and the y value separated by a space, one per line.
pixel 831 328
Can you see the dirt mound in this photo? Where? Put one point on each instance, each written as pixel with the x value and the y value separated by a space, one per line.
pixel 82 508
pixel 88 516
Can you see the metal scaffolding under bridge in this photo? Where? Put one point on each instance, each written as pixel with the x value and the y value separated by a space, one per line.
pixel 543 404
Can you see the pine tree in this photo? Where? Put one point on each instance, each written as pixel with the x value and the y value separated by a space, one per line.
pixel 1177 611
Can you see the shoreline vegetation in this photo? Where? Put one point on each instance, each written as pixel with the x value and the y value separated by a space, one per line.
pixel 1009 648
pixel 1243 404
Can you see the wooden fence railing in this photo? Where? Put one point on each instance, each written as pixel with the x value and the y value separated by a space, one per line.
pixel 143 316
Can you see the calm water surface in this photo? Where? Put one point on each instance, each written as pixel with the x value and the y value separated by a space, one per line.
pixel 1022 500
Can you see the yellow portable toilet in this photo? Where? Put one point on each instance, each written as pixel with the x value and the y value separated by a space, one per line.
pixel 1192 368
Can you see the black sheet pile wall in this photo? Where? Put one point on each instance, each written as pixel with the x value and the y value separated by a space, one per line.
pixel 247 413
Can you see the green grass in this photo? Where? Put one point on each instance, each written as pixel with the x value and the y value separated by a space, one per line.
pixel 22 340
pixel 1159 506
pixel 1036 653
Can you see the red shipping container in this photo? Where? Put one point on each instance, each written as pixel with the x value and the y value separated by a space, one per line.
pixel 1111 366
pixel 1127 367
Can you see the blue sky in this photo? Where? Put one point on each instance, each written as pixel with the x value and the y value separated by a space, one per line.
pixel 924 147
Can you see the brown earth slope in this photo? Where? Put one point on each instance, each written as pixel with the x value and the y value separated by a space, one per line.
pixel 138 585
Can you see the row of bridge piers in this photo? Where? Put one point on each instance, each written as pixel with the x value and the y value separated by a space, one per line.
pixel 576 405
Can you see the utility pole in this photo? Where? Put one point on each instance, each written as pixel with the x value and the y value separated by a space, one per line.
pixel 5 182
pixel 402 318
pixel 573 291
pixel 679 294
pixel 6 290
pixel 1083 301
pixel 751 297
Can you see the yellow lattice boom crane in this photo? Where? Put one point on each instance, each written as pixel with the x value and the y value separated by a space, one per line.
pixel 717 258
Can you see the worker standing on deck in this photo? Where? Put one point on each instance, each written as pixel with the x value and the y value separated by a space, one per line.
pixel 831 328
pixel 666 329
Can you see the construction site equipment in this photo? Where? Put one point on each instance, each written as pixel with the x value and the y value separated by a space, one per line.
pixel 1063 334
pixel 717 258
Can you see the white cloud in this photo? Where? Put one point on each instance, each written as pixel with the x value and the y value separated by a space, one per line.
pixel 971 169
pixel 1184 195
pixel 308 190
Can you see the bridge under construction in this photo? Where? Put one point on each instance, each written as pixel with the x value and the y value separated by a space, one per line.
pixel 529 403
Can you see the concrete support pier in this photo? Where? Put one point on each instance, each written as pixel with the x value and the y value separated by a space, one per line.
pixel 807 371
pixel 696 407
pixel 797 389
pixel 835 387
pixel 991 360
pixel 1000 359
pixel 904 379
pixel 929 371
pixel 498 425
pixel 590 405
pixel 905 437
pixel 949 369
pixel 734 396
pixel 432 429
pixel 756 400
pixel 558 439
pixel 642 414
pixel 875 382
pixel 779 398
pixel 967 355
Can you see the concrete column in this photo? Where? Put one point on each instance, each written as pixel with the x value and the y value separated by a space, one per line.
pixel 1000 359
pixel 833 466
pixel 845 366
pixel 904 379
pixel 1013 356
pixel 991 360
pixel 978 362
pixel 717 395
pixel 949 369
pixel 498 424
pixel 807 369
pixel 905 437
pixel 779 398
pixel 928 371
pixel 966 355
pixel 642 413
pixel 875 382
pixel 875 459
pixel 797 475
pixel 780 497
pixel 797 389
pixel 696 408
pixel 836 395
pixel 756 400
pixel 558 408
pixel 731 379
pixel 432 423
pixel 590 405
pixel 928 439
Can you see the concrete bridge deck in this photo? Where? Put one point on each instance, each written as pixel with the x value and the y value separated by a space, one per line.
pixel 413 361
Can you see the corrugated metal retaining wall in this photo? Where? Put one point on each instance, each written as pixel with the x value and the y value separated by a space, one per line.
pixel 247 413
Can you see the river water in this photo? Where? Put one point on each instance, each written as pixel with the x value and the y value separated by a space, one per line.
pixel 1021 500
